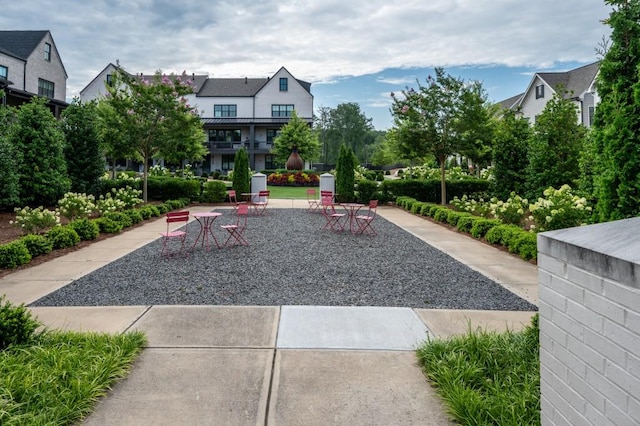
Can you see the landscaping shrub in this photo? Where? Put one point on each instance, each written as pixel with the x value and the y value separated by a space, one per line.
pixel 435 208
pixel 166 188
pixel 63 237
pixel 86 229
pixel 429 190
pixel 526 245
pixel 465 223
pixel 441 215
pixel 121 218
pixel 482 226
pixel 108 226
pixel 214 191
pixel 14 254
pixel 37 244
pixel 426 208
pixel 367 191
pixel 149 211
pixel 416 207
pixel 163 208
pixel 501 233
pixel 17 326
pixel 134 215
pixel 453 217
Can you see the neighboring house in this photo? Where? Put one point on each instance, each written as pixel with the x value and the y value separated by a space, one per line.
pixel 238 112
pixel 577 85
pixel 30 65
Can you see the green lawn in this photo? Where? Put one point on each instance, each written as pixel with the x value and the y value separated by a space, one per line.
pixel 288 191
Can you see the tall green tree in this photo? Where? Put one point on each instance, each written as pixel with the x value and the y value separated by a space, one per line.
pixel 321 127
pixel 83 154
pixel 345 175
pixel 9 190
pixel 296 133
pixel 241 172
pixel 152 119
pixel 555 146
pixel 348 125
pixel 616 127
pixel 433 119
pixel 39 142
pixel 510 162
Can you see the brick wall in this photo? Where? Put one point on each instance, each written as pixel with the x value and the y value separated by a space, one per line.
pixel 589 303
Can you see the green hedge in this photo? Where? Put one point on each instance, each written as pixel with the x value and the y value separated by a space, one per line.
pixel 166 188
pixel 429 190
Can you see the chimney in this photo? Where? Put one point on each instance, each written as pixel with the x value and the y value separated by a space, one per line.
pixel 245 80
pixel 193 76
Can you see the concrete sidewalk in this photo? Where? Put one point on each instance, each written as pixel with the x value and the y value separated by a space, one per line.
pixel 285 365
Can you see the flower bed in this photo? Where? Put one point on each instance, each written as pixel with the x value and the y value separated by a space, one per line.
pixel 293 179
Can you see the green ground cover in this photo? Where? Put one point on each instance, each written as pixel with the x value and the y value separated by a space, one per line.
pixel 57 378
pixel 487 378
pixel 288 192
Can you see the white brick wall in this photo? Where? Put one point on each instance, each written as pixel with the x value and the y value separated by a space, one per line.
pixel 590 325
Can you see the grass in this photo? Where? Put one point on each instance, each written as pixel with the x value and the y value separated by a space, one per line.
pixel 59 376
pixel 288 192
pixel 487 378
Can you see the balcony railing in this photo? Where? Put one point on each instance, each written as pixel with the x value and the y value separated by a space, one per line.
pixel 234 146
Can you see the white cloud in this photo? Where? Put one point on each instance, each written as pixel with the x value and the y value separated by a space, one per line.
pixel 317 41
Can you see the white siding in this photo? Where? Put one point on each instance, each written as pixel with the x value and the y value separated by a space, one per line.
pixel 296 95
pixel 53 71
pixel 532 107
pixel 15 70
pixel 96 89
pixel 205 105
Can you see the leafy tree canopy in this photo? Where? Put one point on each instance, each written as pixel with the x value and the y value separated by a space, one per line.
pixel 296 133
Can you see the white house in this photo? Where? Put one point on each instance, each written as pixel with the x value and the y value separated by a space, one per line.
pixel 30 65
pixel 578 85
pixel 238 112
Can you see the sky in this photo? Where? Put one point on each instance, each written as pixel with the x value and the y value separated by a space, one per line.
pixel 351 51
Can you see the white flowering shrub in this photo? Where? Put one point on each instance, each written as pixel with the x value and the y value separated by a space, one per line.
pixel 559 209
pixel 35 221
pixel 473 206
pixel 125 177
pixel 158 170
pixel 513 211
pixel 75 205
pixel 118 200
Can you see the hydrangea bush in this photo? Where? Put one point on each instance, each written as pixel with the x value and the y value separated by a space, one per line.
pixel 35 221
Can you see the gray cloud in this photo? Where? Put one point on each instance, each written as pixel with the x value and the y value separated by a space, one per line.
pixel 316 40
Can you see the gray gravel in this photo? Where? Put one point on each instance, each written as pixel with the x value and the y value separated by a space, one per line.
pixel 291 261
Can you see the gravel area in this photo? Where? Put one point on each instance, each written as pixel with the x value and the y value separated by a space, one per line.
pixel 291 261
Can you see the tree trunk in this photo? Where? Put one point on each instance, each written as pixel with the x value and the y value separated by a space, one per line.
pixel 443 182
pixel 145 173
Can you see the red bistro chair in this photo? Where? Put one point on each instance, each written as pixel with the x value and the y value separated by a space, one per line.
pixel 332 218
pixel 178 234
pixel 364 221
pixel 263 201
pixel 233 200
pixel 314 206
pixel 236 230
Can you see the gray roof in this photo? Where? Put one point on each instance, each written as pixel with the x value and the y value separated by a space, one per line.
pixel 510 102
pixel 20 44
pixel 238 87
pixel 575 82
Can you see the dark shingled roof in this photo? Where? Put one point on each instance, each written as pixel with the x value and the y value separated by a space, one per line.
pixel 575 82
pixel 238 87
pixel 20 44
pixel 510 102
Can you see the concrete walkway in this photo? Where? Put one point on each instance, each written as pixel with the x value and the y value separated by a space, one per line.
pixel 284 365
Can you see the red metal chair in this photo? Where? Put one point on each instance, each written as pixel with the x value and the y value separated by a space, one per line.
pixel 261 204
pixel 233 200
pixel 329 212
pixel 312 200
pixel 364 221
pixel 178 234
pixel 236 230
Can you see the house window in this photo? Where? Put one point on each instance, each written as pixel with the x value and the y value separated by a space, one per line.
pixel 270 162
pixel 284 84
pixel 227 161
pixel 47 52
pixel 272 134
pixel 4 74
pixel 225 110
pixel 540 91
pixel 224 135
pixel 109 80
pixel 281 110
pixel 45 88
pixel 592 110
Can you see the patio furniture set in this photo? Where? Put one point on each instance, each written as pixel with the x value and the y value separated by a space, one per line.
pixel 337 222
